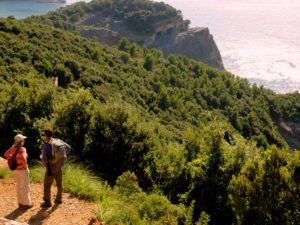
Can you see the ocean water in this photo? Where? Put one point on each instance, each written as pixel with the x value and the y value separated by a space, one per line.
pixel 23 8
pixel 258 40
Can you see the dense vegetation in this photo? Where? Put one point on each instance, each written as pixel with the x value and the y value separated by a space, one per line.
pixel 190 134
pixel 138 15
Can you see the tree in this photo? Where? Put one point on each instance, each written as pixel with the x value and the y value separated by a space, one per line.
pixel 264 191
pixel 149 62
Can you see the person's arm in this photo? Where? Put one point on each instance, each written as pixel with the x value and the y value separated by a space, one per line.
pixel 9 153
pixel 45 155
pixel 68 146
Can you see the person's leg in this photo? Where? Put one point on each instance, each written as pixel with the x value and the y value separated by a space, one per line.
pixel 25 185
pixel 48 180
pixel 23 189
pixel 58 180
pixel 18 186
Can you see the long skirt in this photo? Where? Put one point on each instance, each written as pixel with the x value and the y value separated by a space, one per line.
pixel 23 187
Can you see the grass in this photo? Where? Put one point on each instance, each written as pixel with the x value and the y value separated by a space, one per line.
pixel 76 180
pixel 114 206
pixel 4 173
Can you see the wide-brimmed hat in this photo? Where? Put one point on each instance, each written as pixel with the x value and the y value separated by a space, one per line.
pixel 19 137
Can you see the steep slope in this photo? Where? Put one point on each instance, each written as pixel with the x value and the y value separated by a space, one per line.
pixel 291 133
pixel 177 88
pixel 151 24
pixel 184 130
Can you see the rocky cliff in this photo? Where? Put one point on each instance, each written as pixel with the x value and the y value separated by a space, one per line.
pixel 171 35
pixel 150 24
pixel 290 131
pixel 196 43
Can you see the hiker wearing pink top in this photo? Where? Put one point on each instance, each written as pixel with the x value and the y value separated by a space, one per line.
pixel 21 172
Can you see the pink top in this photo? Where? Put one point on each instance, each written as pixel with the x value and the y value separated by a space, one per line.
pixel 21 157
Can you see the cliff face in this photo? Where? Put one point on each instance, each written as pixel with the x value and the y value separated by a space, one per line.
pixel 196 43
pixel 171 35
pixel 290 131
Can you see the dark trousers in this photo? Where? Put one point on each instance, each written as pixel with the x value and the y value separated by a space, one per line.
pixel 48 182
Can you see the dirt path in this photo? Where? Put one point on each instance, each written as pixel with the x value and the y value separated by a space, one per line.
pixel 73 211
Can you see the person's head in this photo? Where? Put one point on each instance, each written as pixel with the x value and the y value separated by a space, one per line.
pixel 19 140
pixel 47 135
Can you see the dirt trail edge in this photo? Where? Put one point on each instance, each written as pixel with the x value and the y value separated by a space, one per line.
pixel 72 211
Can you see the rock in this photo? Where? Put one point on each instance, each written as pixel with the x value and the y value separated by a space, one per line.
pixel 3 163
pixel 10 222
pixel 103 35
pixel 196 43
pixel 290 131
pixel 171 36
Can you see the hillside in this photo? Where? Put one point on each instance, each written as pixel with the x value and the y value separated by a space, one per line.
pixel 199 136
pixel 151 24
pixel 174 88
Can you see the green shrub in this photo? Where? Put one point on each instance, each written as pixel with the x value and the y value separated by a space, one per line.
pixel 4 173
pixel 127 184
pixel 157 208
pixel 86 185
pixel 37 173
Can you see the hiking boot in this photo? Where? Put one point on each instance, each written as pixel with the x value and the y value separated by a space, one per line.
pixel 46 204
pixel 58 201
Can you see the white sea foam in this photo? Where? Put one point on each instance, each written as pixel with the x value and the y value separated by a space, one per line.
pixel 74 1
pixel 258 40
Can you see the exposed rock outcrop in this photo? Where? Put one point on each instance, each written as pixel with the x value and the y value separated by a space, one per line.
pixel 171 35
pixel 10 222
pixel 196 43
pixel 290 131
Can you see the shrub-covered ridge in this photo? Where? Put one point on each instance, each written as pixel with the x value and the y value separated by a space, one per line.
pixel 184 129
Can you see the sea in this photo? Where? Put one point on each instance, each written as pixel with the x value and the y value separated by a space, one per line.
pixel 23 8
pixel 258 40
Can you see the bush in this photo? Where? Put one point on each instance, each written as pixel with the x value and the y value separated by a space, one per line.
pixel 127 184
pixel 4 173
pixel 158 210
